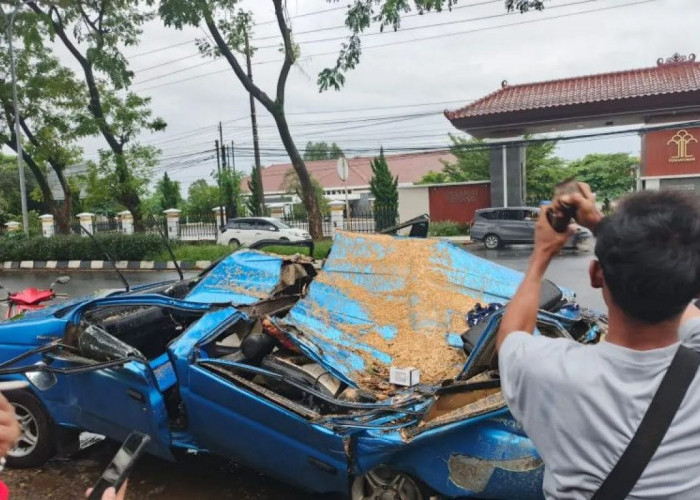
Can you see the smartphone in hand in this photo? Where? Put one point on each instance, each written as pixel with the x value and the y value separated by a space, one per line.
pixel 119 468
pixel 561 223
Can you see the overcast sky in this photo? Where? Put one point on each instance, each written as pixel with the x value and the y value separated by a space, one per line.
pixel 420 70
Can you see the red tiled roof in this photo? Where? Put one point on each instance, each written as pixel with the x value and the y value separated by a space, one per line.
pixel 409 168
pixel 675 75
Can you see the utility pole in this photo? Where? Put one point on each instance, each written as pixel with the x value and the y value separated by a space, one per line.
pixel 9 22
pixel 218 181
pixel 233 157
pixel 254 122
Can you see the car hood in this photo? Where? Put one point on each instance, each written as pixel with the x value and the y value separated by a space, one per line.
pixel 383 301
pixel 242 278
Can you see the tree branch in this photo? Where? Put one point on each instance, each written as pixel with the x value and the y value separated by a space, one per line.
pixel 288 51
pixel 256 91
pixel 95 105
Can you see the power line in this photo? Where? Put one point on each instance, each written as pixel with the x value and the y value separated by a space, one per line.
pixel 419 39
pixel 446 23
pixel 167 47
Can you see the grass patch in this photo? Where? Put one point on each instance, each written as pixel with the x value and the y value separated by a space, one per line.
pixel 213 252
pixel 321 249
pixel 193 252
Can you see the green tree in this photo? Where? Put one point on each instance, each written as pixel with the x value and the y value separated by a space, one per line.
pixel 10 203
pixel 291 185
pixel 362 14
pixel 255 202
pixel 230 183
pixel 433 177
pixel 384 188
pixel 609 175
pixel 322 151
pixel 51 114
pixel 168 192
pixel 202 198
pixel 543 170
pixel 230 27
pixel 94 33
pixel 472 162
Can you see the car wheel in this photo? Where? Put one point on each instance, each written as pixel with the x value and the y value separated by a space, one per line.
pixel 284 238
pixel 383 482
pixel 492 241
pixel 234 243
pixel 35 445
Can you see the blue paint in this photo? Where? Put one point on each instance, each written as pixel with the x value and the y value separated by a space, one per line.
pixel 242 278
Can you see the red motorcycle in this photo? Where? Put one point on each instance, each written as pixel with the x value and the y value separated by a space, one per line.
pixel 31 299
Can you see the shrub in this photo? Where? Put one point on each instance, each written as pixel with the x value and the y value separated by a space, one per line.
pixel 448 228
pixel 75 247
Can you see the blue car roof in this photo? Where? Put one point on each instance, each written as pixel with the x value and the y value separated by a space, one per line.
pixel 383 301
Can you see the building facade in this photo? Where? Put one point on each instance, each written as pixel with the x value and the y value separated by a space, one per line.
pixel 671 159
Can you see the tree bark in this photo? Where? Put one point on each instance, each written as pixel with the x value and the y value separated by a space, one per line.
pixel 276 109
pixel 307 192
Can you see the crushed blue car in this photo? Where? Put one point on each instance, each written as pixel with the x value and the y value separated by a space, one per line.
pixel 283 364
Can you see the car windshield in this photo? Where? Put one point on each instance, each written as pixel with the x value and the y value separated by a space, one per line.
pixel 281 225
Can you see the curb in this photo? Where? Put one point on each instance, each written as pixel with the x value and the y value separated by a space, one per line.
pixel 102 265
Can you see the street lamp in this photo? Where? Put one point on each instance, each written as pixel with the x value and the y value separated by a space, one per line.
pixel 9 21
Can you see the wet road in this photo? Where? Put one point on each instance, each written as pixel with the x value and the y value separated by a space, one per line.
pixel 206 477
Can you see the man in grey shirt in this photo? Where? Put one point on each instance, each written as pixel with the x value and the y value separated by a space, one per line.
pixel 581 405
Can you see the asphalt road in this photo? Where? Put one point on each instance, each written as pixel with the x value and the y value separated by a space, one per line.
pixel 205 477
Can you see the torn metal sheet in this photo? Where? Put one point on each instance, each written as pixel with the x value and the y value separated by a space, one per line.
pixel 242 278
pixel 382 301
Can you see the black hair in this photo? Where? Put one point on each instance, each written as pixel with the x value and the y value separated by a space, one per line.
pixel 649 250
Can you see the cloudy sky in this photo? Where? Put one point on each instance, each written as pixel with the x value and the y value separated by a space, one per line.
pixel 406 79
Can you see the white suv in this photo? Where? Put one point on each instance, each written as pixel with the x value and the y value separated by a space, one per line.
pixel 248 230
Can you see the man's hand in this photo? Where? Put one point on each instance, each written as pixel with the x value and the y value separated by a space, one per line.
pixel 549 242
pixel 587 213
pixel 9 427
pixel 110 494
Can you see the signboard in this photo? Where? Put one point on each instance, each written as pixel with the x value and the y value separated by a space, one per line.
pixel 343 169
pixel 672 152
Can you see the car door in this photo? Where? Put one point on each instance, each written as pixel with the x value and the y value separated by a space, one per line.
pixel 247 231
pixel 231 232
pixel 509 224
pixel 115 401
pixel 268 231
pixel 228 417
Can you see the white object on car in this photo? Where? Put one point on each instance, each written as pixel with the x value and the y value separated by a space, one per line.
pixel 404 376
pixel 248 230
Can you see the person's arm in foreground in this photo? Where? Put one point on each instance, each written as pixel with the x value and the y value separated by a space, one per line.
pixel 110 494
pixel 521 312
pixel 9 428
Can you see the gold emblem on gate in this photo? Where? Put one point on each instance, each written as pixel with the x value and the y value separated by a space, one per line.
pixel 681 139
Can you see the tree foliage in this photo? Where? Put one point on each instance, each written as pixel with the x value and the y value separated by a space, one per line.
pixel 363 14
pixel 255 202
pixel 94 34
pixel 230 183
pixel 384 188
pixel 168 193
pixel 609 175
pixel 291 185
pixel 52 113
pixel 322 151
pixel 10 203
pixel 202 198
